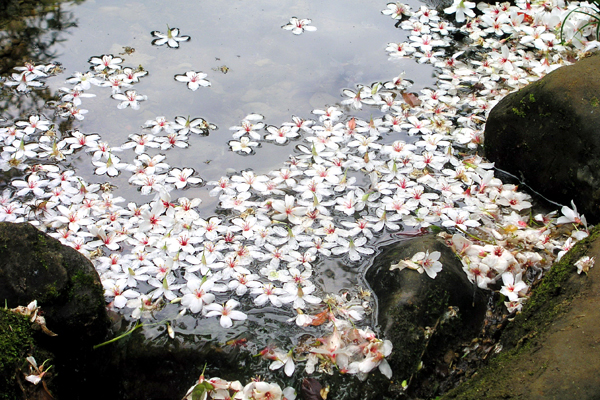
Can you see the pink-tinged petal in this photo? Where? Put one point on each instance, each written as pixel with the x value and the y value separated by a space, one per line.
pixel 276 365
pixel 212 313
pixel 367 365
pixel 120 301
pixel 35 379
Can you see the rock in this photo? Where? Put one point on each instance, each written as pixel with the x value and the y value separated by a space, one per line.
pixel 550 350
pixel 67 288
pixel 415 311
pixel 547 134
pixel 38 267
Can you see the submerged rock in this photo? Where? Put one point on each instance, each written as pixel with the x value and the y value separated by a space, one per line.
pixel 547 135
pixel 424 318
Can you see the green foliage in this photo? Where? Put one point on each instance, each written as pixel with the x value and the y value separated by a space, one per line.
pixel 198 392
pixel 595 19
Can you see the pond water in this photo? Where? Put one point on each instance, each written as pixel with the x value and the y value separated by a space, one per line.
pixel 272 72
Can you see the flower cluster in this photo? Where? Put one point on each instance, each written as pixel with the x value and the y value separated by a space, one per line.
pixel 350 182
pixel 106 71
pixel 217 388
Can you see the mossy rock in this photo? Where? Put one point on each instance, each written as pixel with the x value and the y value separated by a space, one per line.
pixel 35 266
pixel 414 311
pixel 547 135
pixel 550 350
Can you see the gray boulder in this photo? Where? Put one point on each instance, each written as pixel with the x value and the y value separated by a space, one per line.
pixel 548 135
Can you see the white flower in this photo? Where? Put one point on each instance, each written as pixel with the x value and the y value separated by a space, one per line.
pixel 226 312
pixel 297 26
pixel 513 285
pixel 571 216
pixel 106 61
pixel 283 359
pixel 172 38
pixel 584 264
pixel 245 145
pixel 129 99
pixel 196 294
pixel 461 8
pixel 194 79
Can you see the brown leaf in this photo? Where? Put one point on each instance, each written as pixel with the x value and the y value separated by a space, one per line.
pixel 411 99
pixel 320 318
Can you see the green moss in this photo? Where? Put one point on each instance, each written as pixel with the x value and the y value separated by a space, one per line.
pixel 594 102
pixel 82 285
pixel 50 292
pixel 16 343
pixel 525 106
pixel 519 112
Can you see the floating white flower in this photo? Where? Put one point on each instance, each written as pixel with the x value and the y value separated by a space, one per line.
pixel 297 26
pixel 226 311
pixel 172 38
pixel 194 79
pixel 129 99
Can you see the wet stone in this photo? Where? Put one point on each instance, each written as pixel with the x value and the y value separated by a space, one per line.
pixel 547 135
pixel 38 267
pixel 424 318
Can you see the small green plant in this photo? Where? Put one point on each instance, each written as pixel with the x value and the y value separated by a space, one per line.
pixel 594 15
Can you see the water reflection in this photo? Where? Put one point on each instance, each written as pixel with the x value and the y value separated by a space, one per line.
pixel 29 32
pixel 268 71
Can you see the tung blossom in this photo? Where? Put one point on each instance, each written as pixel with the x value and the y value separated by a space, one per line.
pixel 226 311
pixel 194 79
pixel 584 264
pixel 461 8
pixel 421 262
pixel 171 39
pixel 129 99
pixel 297 26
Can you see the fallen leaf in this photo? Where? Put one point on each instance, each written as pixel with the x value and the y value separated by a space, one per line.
pixel 411 99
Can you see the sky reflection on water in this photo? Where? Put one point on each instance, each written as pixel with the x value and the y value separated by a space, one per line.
pixel 272 71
